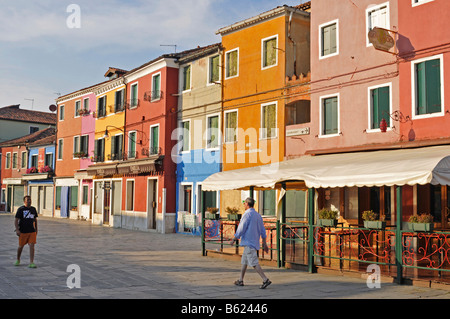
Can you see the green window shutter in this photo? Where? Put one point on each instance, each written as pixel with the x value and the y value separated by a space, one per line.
pixel 113 148
pixel 380 106
pixel 269 202
pixel 325 41
pixel 119 146
pixel 132 144
pixel 214 69
pixel 187 78
pixel 421 107
pixel 73 197
pixel 96 150
pixel 58 197
pixel 330 116
pixel 433 85
pixel 155 139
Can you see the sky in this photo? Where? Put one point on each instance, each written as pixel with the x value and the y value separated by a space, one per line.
pixel 54 47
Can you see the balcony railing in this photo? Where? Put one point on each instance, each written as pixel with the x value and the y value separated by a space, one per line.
pixel 151 96
pixel 132 103
pixel 115 157
pixel 151 151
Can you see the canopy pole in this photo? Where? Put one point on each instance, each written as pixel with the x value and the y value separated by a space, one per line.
pixel 202 207
pixel 283 226
pixel 251 195
pixel 311 192
pixel 398 236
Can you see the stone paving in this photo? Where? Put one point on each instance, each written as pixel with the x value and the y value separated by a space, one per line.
pixel 125 264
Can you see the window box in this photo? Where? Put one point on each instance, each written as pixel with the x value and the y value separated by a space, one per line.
pixel 374 224
pixel 421 227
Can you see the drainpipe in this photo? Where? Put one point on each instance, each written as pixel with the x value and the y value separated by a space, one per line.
pixel 293 43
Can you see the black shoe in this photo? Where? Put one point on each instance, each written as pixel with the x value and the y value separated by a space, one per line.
pixel 265 284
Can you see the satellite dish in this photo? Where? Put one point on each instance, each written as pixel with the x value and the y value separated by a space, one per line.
pixel 52 107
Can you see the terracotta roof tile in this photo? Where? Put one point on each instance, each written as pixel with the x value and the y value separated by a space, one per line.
pixel 15 113
pixel 41 137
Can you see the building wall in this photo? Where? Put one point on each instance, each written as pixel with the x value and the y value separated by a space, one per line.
pixel 88 128
pixel 13 129
pixel 349 74
pixel 420 37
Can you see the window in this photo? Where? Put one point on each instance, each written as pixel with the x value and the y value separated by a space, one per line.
pixel 34 160
pixel 134 95
pixel 269 120
pixel 329 39
pixel 132 144
pixel 212 131
pixel 61 112
pixel 154 139
pixel 427 87
pixel 186 78
pixel 14 160
pixel 77 108
pixel 429 201
pixel 213 70
pixel 118 103
pixel 232 63
pixel 130 195
pixel 58 197
pixel 116 147
pixel 101 106
pixel 296 204
pixel 24 160
pixel 156 87
pixel 73 197
pixel 269 52
pixel 379 105
pixel 86 104
pixel 49 160
pixel 298 112
pixel 377 16
pixel 329 113
pixel 99 150
pixel 33 129
pixel 76 145
pixel 85 199
pixel 60 148
pixel 231 126
pixel 8 161
pixel 84 144
pixel 187 198
pixel 185 145
pixel 419 2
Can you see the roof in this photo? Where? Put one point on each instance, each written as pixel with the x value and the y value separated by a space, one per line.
pixel 302 9
pixel 15 113
pixel 41 137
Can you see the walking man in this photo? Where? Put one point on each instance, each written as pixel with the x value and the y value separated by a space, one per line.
pixel 26 228
pixel 251 228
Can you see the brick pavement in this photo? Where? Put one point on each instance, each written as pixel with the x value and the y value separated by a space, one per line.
pixel 122 264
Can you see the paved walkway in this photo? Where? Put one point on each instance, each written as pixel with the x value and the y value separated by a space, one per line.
pixel 118 263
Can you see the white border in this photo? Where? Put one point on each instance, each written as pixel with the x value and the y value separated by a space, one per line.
pixel 150 135
pixel 413 87
pixel 321 99
pixel 219 137
pixel 208 73
pixel 262 52
pixel 132 107
pixel 369 107
pixel 326 24
pixel 377 7
pixel 226 64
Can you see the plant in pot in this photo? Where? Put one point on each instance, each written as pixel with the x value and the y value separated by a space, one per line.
pixel 328 217
pixel 421 223
pixel 372 220
pixel 232 213
pixel 211 213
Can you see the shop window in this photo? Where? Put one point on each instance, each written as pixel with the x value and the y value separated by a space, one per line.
pixel 429 201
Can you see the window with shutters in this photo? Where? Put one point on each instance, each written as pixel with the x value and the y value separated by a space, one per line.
pixel 268 202
pixel 119 103
pixel 185 136
pixel 187 78
pixel 379 105
pixel 49 160
pixel 213 70
pixel 101 106
pixel 117 147
pixel 132 144
pixel 329 116
pixel 377 16
pixel 329 39
pixel 427 87
pixel 232 63
pixel 156 87
pixel 73 197
pixel 154 139
pixel 134 96
pixel 61 112
pixel 60 148
pixel 269 52
pixel 231 118
pixel 99 150
pixel 130 195
pixel 77 108
pixel 212 132
pixel 76 146
pixel 269 120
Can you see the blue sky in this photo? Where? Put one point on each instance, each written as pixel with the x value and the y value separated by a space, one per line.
pixel 41 56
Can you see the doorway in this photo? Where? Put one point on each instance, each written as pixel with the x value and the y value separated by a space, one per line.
pixel 106 202
pixel 152 203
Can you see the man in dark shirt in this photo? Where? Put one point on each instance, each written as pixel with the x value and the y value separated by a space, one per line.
pixel 26 228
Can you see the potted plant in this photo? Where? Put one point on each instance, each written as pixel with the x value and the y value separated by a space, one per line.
pixel 46 169
pixel 232 213
pixel 211 213
pixel 32 170
pixel 421 223
pixel 372 220
pixel 328 217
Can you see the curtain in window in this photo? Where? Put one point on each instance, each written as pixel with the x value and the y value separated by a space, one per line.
pixel 214 69
pixel 270 53
pixel 185 136
pixel 269 121
pixel 187 78
pixel 213 131
pixel 231 126
pixel 232 63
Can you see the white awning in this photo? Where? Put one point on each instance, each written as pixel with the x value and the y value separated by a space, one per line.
pixel 375 168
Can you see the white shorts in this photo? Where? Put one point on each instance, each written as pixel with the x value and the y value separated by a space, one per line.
pixel 249 257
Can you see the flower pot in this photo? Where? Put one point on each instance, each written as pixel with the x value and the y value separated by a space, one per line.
pixel 374 224
pixel 234 216
pixel 328 222
pixel 421 227
pixel 212 216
